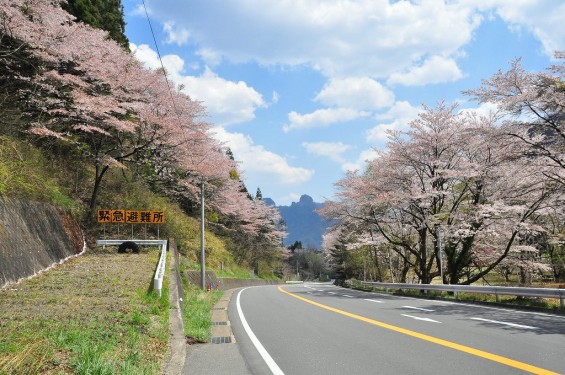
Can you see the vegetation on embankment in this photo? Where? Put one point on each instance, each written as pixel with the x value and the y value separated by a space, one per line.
pixel 84 126
pixel 95 314
pixel 30 173
pixel 197 306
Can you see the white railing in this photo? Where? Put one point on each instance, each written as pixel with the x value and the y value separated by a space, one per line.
pixel 160 271
pixel 557 293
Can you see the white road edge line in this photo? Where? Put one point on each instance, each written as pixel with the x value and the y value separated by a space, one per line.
pixel 417 308
pixel 504 323
pixel 373 300
pixel 275 369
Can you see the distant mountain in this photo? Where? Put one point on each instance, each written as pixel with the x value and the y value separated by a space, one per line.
pixel 303 223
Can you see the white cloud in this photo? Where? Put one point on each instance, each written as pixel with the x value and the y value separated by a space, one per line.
pixel 399 116
pixel 484 109
pixel 337 37
pixel 288 199
pixel 227 102
pixel 362 93
pixel 361 161
pixel 544 19
pixel 436 69
pixel 210 56
pixel 341 38
pixel 175 35
pixel 322 118
pixel 275 97
pixel 260 163
pixel 146 55
pixel 332 150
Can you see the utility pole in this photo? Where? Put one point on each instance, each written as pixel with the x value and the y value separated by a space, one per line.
pixel 202 252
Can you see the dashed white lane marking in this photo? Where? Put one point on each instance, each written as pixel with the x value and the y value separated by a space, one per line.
pixel 504 323
pixel 417 308
pixel 373 300
pixel 422 319
pixel 331 292
pixel 275 369
pixel 346 295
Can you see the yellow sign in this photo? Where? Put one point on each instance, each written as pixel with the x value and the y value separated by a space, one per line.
pixel 131 216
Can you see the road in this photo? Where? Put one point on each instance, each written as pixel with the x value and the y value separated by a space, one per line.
pixel 323 329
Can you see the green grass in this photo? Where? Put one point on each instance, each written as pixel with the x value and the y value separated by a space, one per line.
pixel 95 314
pixel 233 272
pixel 27 173
pixel 197 308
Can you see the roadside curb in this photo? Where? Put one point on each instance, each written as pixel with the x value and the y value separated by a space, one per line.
pixel 177 341
pixel 221 327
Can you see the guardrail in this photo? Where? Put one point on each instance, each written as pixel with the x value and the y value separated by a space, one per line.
pixel 556 293
pixel 160 271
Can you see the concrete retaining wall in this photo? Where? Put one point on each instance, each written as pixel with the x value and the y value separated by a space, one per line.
pixel 33 237
pixel 224 283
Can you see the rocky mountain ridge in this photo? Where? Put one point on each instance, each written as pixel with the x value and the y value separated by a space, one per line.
pixel 302 221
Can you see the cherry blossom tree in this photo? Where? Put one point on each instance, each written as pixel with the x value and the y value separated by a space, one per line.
pixel 450 176
pixel 533 109
pixel 75 87
pixel 97 97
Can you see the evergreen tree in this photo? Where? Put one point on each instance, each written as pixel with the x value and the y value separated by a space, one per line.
pixel 258 195
pixel 101 14
pixel 235 175
pixel 340 256
pixel 297 245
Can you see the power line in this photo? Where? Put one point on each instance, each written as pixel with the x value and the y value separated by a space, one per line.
pixel 161 61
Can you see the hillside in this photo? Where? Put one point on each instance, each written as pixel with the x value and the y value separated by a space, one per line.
pixel 85 126
pixel 303 223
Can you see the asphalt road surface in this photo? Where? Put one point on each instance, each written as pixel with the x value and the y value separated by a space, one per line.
pixel 323 329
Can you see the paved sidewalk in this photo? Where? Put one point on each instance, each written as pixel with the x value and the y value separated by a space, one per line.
pixel 223 358
pixel 213 358
pixel 201 359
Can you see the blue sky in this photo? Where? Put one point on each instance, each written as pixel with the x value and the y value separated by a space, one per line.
pixel 302 90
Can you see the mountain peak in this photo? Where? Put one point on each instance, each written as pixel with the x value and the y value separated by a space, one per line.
pixel 303 223
pixel 306 199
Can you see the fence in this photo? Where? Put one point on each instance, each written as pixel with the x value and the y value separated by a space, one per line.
pixel 556 293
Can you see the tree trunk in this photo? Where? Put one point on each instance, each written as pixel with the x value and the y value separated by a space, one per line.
pixel 100 171
pixel 423 256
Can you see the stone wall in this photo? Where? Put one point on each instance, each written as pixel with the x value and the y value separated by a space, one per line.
pixel 33 237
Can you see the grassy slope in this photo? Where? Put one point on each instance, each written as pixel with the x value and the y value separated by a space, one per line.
pixel 94 314
pixel 91 315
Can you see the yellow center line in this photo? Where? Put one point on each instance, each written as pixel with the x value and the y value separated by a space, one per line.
pixel 435 340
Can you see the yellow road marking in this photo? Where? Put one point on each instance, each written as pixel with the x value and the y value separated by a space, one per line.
pixel 435 340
